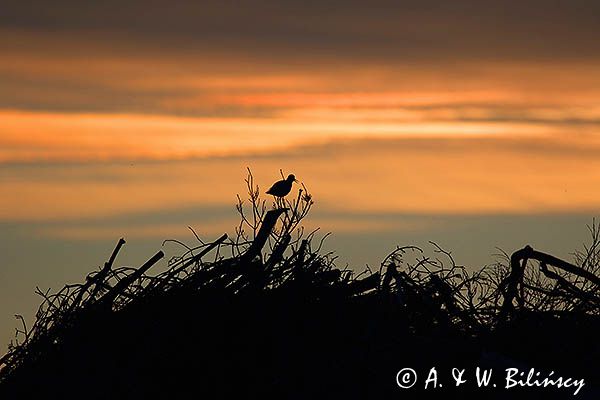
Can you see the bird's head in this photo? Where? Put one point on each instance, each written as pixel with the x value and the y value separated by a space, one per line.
pixel 291 178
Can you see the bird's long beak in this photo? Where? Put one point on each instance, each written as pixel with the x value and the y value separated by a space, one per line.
pixel 296 180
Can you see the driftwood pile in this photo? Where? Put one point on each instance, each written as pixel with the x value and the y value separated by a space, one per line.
pixel 266 312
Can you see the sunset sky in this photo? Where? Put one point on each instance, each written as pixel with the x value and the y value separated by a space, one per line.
pixel 474 124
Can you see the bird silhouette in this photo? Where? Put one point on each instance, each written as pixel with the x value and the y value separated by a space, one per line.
pixel 282 188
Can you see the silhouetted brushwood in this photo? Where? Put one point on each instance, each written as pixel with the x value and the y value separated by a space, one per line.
pixel 277 318
pixel 515 280
pixel 316 333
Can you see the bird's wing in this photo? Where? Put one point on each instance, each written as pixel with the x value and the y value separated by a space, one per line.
pixel 273 188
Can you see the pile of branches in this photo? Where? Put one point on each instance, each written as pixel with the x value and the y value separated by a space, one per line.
pixel 273 261
pixel 526 282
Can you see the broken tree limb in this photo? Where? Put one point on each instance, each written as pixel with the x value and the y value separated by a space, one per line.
pixel 263 234
pixel 568 286
pixel 518 262
pixel 98 279
pixel 109 297
pixel 277 254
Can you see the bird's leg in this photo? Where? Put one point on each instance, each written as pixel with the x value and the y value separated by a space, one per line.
pixel 274 201
pixel 279 202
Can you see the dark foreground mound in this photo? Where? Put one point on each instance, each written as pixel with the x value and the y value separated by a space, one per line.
pixel 291 325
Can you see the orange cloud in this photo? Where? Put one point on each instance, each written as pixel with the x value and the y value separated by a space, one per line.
pixel 26 136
